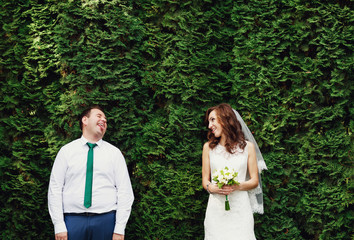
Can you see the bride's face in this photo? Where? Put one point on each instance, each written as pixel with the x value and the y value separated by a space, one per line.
pixel 214 124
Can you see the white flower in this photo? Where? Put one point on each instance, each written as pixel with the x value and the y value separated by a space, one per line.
pixel 224 176
pixel 220 178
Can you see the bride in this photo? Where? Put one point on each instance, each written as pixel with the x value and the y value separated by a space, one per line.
pixel 227 147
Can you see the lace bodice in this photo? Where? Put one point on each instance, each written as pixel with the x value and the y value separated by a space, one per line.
pixel 220 158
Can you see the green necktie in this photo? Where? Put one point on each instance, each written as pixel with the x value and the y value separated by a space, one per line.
pixel 89 173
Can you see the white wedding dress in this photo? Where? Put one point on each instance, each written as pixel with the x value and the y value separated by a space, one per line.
pixel 237 223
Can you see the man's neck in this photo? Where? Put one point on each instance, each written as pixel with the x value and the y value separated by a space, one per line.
pixel 92 139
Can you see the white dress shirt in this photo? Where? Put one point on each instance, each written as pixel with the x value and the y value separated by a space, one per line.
pixel 111 188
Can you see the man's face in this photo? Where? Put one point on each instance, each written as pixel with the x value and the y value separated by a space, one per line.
pixel 96 123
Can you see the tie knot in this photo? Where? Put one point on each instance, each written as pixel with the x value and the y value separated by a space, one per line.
pixel 91 145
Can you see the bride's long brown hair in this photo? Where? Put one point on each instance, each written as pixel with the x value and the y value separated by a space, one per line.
pixel 231 128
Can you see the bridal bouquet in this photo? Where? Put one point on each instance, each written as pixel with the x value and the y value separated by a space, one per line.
pixel 225 177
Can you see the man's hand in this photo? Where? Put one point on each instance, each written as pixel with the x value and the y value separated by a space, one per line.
pixel 61 236
pixel 117 236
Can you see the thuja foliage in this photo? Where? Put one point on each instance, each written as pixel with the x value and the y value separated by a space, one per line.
pixel 156 66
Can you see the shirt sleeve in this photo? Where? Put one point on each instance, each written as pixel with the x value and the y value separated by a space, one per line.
pixel 125 195
pixel 55 192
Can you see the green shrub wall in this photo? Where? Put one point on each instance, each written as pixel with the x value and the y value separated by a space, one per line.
pixel 156 66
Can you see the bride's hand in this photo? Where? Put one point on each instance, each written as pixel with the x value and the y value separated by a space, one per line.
pixel 228 189
pixel 225 190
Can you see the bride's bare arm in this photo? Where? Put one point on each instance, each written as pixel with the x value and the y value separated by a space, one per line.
pixel 206 173
pixel 206 167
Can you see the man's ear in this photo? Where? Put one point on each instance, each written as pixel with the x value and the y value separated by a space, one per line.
pixel 84 120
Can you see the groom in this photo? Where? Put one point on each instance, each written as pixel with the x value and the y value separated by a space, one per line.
pixel 90 193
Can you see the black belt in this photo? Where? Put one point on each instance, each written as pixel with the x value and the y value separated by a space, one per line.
pixel 87 214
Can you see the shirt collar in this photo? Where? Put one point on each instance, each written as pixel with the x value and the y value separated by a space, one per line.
pixel 84 141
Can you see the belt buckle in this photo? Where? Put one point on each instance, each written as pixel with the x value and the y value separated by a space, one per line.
pixel 89 214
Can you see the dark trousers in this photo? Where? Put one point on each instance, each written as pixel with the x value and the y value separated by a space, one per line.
pixel 90 227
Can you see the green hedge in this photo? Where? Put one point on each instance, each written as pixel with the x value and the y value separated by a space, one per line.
pixel 156 66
